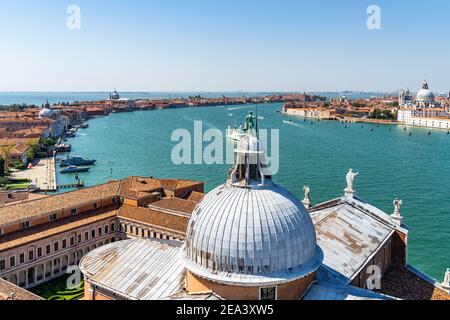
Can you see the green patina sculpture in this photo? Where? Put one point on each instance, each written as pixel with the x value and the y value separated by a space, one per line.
pixel 250 122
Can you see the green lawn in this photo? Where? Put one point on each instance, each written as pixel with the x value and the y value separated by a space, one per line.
pixel 17 186
pixel 57 290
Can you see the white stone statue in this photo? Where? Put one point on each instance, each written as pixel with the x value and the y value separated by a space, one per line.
pixel 396 217
pixel 397 205
pixel 350 182
pixel 307 191
pixel 307 200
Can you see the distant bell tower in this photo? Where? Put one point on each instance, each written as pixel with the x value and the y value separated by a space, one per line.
pixel 402 98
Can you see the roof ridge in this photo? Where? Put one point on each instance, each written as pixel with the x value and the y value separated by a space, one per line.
pixel 64 193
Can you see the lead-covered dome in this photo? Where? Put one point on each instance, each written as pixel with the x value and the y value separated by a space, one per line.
pixel 250 231
pixel 425 95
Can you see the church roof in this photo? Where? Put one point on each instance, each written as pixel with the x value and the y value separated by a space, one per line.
pixel 139 269
pixel 349 232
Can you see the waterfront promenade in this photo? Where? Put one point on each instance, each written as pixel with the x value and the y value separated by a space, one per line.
pixel 43 174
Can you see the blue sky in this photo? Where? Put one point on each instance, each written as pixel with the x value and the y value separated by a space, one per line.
pixel 217 45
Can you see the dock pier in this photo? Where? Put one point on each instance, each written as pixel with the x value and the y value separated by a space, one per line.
pixel 71 186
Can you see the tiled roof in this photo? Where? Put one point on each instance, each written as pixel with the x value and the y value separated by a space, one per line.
pixel 154 218
pixel 136 187
pixel 402 282
pixel 196 196
pixel 176 204
pixel 50 229
pixel 8 291
pixel 40 207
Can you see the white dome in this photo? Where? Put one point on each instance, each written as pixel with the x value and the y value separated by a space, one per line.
pixel 45 113
pixel 425 95
pixel 251 236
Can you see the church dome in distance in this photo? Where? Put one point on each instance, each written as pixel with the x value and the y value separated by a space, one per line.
pixel 249 231
pixel 425 95
pixel 45 113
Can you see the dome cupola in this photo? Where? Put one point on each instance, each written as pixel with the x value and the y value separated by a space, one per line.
pixel 425 95
pixel 249 231
pixel 46 111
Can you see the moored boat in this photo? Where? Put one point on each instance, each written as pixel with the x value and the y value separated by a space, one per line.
pixel 76 161
pixel 75 169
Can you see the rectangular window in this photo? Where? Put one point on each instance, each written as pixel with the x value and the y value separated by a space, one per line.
pixel 73 211
pixel 22 258
pixel 39 252
pixel 106 229
pixel 64 244
pixel 25 224
pixel 95 206
pixel 12 261
pixel 113 227
pixel 100 232
pixel 268 294
pixel 79 238
pixel 2 264
pixel 72 241
pixel 48 249
pixel 86 236
pixel 56 246
pixel 52 217
pixel 31 255
pixel 93 234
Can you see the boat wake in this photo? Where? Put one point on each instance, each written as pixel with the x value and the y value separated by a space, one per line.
pixel 239 108
pixel 292 123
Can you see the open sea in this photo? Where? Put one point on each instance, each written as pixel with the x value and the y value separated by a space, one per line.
pixel 390 162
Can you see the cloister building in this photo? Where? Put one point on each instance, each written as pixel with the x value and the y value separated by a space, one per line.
pixel 41 238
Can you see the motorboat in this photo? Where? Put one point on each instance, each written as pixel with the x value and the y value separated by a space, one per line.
pixel 76 161
pixel 75 169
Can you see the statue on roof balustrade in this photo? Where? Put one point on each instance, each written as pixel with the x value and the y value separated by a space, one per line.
pixel 350 182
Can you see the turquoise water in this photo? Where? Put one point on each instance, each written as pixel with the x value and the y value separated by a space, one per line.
pixel 391 164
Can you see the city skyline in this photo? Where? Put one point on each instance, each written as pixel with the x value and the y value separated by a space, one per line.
pixel 174 46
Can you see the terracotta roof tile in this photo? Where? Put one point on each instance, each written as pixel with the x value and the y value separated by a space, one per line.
pixel 176 204
pixel 40 207
pixel 162 220
pixel 49 229
pixel 8 291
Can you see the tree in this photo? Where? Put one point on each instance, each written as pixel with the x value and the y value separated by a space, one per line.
pixel 6 152
pixel 33 149
pixel 49 142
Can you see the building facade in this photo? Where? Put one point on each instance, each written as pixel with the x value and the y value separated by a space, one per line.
pixel 41 238
pixel 424 111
